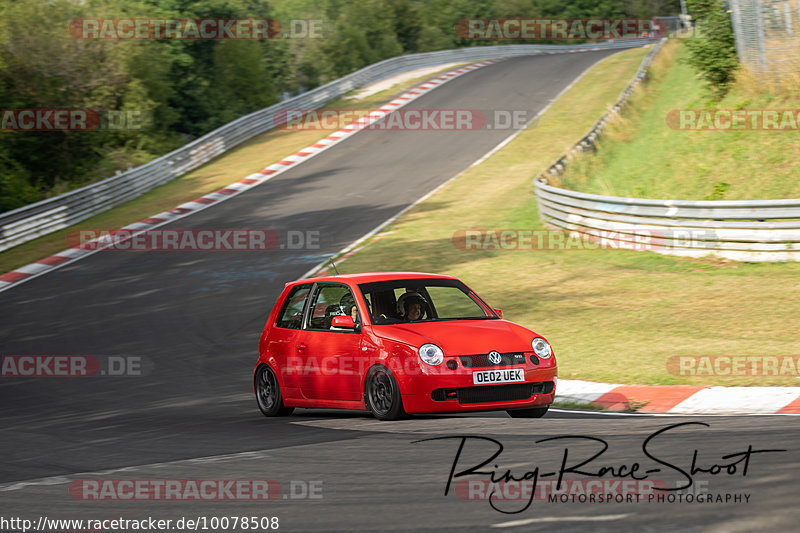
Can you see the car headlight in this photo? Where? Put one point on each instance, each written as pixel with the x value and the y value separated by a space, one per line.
pixel 541 348
pixel 431 354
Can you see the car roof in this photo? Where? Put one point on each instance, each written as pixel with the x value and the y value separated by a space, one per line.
pixel 369 277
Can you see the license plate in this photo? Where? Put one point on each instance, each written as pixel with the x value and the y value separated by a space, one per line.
pixel 488 377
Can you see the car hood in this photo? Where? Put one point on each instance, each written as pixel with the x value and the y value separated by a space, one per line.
pixel 461 337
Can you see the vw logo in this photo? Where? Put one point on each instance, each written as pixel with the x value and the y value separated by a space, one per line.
pixel 494 357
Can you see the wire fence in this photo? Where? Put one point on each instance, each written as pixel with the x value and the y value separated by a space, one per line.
pixel 767 35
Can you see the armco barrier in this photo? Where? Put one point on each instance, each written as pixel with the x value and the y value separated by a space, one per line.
pixel 742 230
pixel 759 230
pixel 26 223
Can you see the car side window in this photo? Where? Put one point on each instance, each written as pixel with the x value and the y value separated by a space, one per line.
pixel 382 306
pixel 330 301
pixel 291 315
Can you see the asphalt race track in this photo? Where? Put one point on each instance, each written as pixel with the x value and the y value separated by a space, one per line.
pixel 345 471
pixel 195 318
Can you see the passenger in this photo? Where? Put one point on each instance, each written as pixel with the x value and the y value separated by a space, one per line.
pixel 348 306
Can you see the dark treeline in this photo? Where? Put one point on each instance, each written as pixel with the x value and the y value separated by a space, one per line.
pixel 178 90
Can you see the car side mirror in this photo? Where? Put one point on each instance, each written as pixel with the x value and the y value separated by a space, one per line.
pixel 498 312
pixel 343 322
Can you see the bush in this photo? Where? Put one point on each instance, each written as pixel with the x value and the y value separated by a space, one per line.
pixel 713 52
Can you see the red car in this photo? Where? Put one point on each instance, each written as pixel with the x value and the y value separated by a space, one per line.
pixel 397 343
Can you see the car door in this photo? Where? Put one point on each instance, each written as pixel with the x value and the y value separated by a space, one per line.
pixel 331 357
pixel 283 338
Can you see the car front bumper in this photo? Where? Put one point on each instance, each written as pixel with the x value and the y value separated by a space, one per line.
pixel 443 392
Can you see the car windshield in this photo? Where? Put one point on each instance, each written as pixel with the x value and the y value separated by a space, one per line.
pixel 422 300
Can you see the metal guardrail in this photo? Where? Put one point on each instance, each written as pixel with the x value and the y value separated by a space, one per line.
pixel 741 230
pixel 762 230
pixel 31 221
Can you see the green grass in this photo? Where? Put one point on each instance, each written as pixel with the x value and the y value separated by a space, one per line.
pixel 642 156
pixel 614 316
pixel 242 161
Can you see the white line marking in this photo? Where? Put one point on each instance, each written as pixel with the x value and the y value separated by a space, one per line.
pixel 526 521
pixel 683 415
pixel 507 140
pixel 69 478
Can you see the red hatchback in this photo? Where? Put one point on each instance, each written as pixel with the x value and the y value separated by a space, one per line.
pixel 396 343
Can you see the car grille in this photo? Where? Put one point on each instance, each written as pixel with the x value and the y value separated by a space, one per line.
pixel 493 393
pixel 479 360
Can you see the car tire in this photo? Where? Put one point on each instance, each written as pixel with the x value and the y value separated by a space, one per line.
pixel 382 395
pixel 268 393
pixel 535 412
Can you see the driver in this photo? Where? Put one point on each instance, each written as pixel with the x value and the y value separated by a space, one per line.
pixel 411 306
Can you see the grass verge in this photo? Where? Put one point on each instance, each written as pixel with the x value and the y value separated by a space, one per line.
pixel 243 160
pixel 613 316
pixel 643 156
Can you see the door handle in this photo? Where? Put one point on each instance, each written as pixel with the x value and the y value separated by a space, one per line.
pixel 302 346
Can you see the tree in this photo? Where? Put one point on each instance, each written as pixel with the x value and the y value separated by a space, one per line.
pixel 713 52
